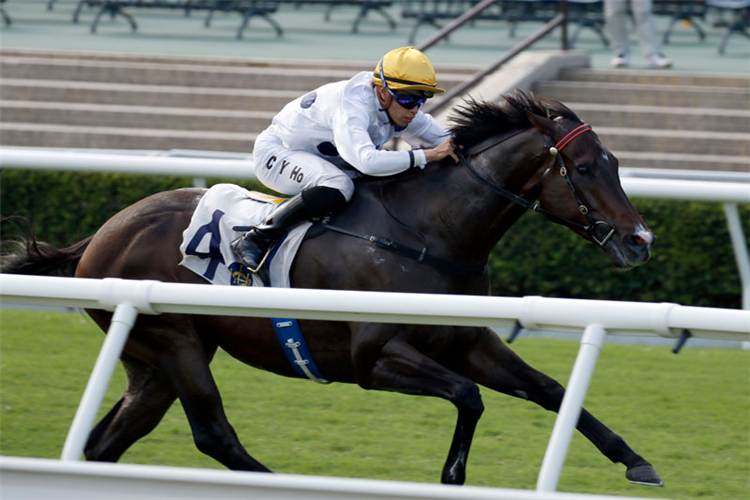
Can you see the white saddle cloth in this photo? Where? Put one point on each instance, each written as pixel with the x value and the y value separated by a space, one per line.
pixel 206 242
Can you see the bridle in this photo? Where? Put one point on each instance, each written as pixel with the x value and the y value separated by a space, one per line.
pixel 594 226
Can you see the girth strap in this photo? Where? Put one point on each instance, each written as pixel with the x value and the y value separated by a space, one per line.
pixel 293 342
pixel 443 265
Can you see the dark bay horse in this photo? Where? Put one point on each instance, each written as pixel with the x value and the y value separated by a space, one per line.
pixel 457 211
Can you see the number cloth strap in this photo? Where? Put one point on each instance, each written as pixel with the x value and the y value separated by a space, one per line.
pixel 294 346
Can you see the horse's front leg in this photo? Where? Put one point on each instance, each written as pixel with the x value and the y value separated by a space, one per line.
pixel 491 363
pixel 400 367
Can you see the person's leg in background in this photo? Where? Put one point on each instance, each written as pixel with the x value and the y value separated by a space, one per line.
pixel 647 38
pixel 615 15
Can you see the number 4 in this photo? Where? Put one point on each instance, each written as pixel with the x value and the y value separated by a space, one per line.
pixel 214 245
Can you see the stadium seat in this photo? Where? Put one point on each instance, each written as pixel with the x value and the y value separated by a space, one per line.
pixel 586 14
pixel 681 10
pixel 6 18
pixel 740 22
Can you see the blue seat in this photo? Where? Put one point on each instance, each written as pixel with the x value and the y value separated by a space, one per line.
pixel 517 11
pixel 681 10
pixel 740 12
pixel 365 6
pixel 246 8
pixel 431 11
pixel 586 14
pixel 6 18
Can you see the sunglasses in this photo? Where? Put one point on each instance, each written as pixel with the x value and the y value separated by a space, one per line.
pixel 406 101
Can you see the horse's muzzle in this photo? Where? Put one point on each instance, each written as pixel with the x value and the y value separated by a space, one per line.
pixel 636 247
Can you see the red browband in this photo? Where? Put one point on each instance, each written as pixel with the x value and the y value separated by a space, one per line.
pixel 572 135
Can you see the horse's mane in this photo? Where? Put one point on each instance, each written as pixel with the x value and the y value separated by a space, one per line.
pixel 476 121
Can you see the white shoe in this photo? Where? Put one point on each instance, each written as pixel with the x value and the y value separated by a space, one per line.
pixel 658 61
pixel 620 61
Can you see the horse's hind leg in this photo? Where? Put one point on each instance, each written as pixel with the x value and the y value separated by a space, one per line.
pixel 144 403
pixel 187 369
pixel 492 364
pixel 176 365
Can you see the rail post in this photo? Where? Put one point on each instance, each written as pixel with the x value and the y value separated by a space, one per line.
pixel 740 250
pixel 123 320
pixel 570 409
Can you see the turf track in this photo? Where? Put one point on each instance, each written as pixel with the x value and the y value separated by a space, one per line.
pixel 688 414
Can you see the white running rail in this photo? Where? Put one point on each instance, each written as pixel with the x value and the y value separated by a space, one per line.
pixel 36 479
pixel 728 188
pixel 129 298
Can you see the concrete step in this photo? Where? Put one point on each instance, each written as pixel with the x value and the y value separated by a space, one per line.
pixel 657 117
pixel 187 75
pixel 645 95
pixel 668 77
pixel 719 163
pixel 675 141
pixel 231 62
pixel 145 95
pixel 135 116
pixel 66 136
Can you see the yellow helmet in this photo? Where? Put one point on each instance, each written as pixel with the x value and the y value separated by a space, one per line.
pixel 407 68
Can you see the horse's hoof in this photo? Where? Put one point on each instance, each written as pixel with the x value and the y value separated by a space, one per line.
pixel 644 474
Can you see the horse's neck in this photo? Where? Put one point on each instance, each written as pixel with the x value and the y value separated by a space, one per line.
pixel 461 217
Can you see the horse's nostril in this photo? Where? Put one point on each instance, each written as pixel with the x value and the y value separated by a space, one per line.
pixel 639 239
pixel 634 241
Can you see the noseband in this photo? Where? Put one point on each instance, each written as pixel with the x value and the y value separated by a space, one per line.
pixel 591 229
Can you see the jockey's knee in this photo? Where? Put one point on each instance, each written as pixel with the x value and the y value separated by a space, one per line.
pixel 338 181
pixel 320 200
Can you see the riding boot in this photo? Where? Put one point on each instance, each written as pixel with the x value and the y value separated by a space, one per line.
pixel 251 248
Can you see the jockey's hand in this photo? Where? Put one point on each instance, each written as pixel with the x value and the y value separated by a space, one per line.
pixel 441 151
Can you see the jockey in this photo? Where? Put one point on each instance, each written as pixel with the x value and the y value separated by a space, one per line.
pixel 343 125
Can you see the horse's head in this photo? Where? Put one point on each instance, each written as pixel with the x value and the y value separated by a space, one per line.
pixel 527 146
pixel 582 190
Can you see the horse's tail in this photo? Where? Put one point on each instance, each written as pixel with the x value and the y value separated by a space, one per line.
pixel 39 258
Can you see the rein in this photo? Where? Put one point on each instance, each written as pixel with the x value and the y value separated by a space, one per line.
pixel 456 268
pixel 590 229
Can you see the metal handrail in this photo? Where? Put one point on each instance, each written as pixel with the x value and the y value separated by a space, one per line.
pixel 558 20
pixel 457 23
pixel 471 14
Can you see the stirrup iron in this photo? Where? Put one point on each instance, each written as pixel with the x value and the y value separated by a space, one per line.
pixel 262 261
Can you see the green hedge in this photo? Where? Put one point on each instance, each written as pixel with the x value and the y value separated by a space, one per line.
pixel 692 263
pixel 67 206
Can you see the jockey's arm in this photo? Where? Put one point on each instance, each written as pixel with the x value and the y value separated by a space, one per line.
pixel 426 132
pixel 355 146
pixel 440 151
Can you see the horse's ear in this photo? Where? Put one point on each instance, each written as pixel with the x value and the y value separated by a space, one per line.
pixel 543 124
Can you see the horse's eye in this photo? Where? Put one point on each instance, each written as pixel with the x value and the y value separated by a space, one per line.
pixel 583 169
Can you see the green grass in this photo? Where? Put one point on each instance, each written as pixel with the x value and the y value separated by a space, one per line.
pixel 688 414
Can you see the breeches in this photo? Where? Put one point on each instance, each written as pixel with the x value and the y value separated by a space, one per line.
pixel 291 172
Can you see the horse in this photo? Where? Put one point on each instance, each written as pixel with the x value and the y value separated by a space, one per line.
pixel 521 149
